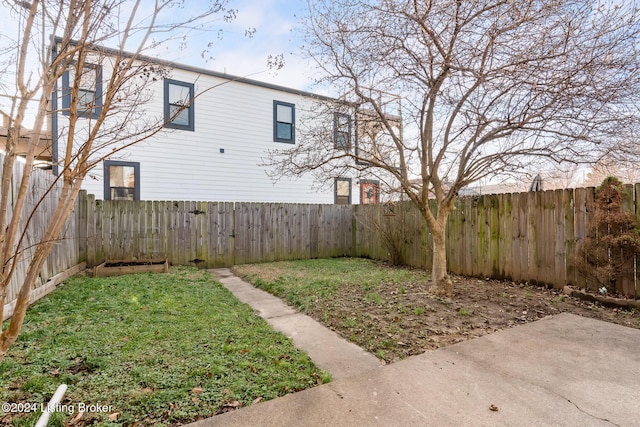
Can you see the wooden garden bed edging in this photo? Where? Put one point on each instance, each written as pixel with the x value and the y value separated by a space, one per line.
pixel 120 267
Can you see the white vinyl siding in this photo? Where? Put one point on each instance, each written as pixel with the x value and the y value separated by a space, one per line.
pixel 235 117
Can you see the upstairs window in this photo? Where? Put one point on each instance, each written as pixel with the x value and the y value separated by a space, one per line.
pixel 89 93
pixel 121 180
pixel 342 191
pixel 178 105
pixel 341 131
pixel 284 119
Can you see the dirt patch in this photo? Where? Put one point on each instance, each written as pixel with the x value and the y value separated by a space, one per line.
pixel 394 322
pixel 394 319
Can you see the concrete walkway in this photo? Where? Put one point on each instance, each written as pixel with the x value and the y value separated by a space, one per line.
pixel 560 371
pixel 326 348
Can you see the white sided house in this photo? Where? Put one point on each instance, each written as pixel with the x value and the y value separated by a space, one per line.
pixel 216 132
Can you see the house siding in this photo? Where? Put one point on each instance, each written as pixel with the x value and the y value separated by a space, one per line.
pixel 188 165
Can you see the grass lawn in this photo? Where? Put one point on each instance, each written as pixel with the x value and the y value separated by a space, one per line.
pixel 154 349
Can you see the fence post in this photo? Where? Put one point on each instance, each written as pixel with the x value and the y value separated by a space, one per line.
pixel 354 231
pixel 81 206
pixel 91 230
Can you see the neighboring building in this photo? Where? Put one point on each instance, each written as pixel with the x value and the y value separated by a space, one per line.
pixel 219 129
pixel 502 188
pixel 43 148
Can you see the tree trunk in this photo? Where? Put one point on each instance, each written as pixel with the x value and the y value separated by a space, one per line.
pixel 437 224
pixel 439 276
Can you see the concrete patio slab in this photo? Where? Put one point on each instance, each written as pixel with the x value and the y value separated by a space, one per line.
pixel 560 371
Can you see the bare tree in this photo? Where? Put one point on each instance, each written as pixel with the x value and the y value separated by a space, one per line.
pixel 488 88
pixel 563 176
pixel 625 169
pixel 93 128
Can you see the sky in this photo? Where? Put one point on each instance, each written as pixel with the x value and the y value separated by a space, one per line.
pixel 274 22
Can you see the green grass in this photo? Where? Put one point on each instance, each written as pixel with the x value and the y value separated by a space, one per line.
pixel 160 349
pixel 302 283
pixel 374 298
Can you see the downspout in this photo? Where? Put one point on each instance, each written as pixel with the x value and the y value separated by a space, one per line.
pixel 51 406
pixel 54 115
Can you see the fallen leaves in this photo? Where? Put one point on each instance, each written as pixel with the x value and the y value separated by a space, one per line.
pixel 234 404
pixel 231 406
pixel 77 418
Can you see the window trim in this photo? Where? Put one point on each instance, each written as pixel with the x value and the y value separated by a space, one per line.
pixel 97 98
pixel 292 140
pixel 335 190
pixel 190 108
pixel 376 183
pixel 107 175
pixel 336 130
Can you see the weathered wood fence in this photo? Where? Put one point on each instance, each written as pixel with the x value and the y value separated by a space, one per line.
pixel 40 203
pixel 519 236
pixel 212 234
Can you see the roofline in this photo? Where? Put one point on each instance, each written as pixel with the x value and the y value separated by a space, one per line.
pixel 207 72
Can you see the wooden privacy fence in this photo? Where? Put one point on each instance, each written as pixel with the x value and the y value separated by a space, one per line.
pixel 521 236
pixel 518 236
pixel 212 234
pixel 41 200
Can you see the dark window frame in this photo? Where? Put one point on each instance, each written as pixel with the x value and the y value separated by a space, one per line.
pixel 168 123
pixel 335 190
pixel 337 131
pixel 276 138
pixel 97 94
pixel 357 150
pixel 370 181
pixel 107 175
